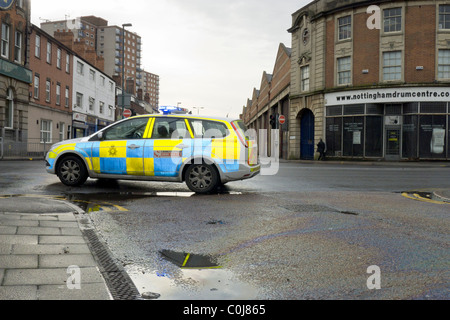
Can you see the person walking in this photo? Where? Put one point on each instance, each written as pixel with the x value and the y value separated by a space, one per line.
pixel 321 149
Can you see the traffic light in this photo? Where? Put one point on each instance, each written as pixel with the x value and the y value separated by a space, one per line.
pixel 273 121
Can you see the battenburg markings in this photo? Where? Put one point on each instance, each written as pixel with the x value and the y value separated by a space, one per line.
pixel 6 4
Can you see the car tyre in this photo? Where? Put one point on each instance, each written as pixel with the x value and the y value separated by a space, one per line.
pixel 202 178
pixel 72 172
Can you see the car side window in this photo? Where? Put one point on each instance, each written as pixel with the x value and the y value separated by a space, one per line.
pixel 170 128
pixel 209 129
pixel 132 129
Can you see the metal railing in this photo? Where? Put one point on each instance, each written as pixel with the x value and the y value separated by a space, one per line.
pixel 30 149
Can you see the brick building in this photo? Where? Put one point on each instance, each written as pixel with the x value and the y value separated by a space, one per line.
pixel 372 78
pixel 52 89
pixel 15 76
pixel 271 98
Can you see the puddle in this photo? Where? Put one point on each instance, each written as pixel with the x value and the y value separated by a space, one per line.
pixel 193 284
pixel 191 277
pixel 106 201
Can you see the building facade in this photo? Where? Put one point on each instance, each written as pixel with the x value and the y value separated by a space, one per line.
pixel 150 90
pixel 94 98
pixel 271 99
pixel 372 81
pixel 15 75
pixel 50 109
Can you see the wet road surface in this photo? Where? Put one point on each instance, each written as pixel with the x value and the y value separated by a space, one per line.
pixel 311 232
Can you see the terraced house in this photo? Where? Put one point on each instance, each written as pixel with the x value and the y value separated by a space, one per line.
pixel 372 79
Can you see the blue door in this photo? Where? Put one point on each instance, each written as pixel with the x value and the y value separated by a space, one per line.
pixel 307 135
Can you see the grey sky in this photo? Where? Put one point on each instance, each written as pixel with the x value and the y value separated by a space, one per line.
pixel 208 53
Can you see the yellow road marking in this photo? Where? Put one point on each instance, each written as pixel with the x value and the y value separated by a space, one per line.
pixel 186 260
pixel 417 197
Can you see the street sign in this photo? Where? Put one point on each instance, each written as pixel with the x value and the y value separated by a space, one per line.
pixel 127 113
pixel 282 119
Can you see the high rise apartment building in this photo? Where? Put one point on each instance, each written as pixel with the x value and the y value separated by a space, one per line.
pixel 112 44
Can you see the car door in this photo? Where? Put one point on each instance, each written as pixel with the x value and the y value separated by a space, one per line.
pixel 120 150
pixel 169 146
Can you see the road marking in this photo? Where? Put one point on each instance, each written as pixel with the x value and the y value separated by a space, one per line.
pixel 418 197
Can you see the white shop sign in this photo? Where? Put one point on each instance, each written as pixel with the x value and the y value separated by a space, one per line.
pixel 391 95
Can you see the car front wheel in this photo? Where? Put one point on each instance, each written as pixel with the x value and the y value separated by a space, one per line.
pixel 72 172
pixel 202 178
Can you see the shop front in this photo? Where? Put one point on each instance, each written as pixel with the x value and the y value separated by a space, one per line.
pixel 391 124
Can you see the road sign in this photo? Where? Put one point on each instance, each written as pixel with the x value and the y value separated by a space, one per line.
pixel 127 113
pixel 282 119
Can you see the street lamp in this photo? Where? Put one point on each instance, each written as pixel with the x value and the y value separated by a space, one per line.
pixel 198 108
pixel 123 65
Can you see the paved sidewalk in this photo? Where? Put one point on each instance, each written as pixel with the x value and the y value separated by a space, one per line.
pixel 36 251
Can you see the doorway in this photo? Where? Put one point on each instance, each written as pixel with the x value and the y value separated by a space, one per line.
pixel 307 135
pixel 393 143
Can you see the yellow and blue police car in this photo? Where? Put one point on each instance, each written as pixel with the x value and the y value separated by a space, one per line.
pixel 204 152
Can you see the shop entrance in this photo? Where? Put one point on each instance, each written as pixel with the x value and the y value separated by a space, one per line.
pixel 307 135
pixel 393 143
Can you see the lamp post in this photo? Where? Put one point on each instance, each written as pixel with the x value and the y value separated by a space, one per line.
pixel 123 65
pixel 198 108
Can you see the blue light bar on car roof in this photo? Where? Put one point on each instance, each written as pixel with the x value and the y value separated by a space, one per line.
pixel 173 110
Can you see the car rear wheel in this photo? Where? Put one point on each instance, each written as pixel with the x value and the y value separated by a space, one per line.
pixel 202 178
pixel 72 172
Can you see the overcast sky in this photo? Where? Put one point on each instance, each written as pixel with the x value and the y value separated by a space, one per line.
pixel 208 53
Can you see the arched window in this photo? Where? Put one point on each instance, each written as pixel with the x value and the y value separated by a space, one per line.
pixel 9 112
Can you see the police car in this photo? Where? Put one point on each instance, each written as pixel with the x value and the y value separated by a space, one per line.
pixel 203 152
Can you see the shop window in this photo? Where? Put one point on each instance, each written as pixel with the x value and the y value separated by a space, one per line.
pixel 334 111
pixel 433 107
pixel 334 136
pixel 410 135
pixel 432 136
pixel 409 108
pixel 393 109
pixel 353 137
pixel 374 136
pixel 354 109
pixel 375 109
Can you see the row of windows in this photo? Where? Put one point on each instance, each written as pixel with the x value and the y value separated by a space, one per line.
pixel 392 68
pixel 5 49
pixel 92 105
pixel 48 89
pixel 37 54
pixel 392 21
pixel 93 75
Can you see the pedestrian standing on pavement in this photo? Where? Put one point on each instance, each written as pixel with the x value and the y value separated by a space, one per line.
pixel 321 149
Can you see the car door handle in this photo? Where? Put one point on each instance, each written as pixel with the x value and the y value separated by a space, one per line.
pixel 182 146
pixel 133 147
